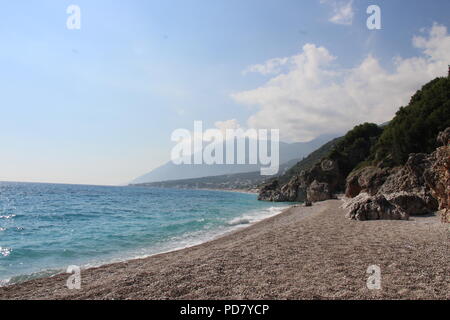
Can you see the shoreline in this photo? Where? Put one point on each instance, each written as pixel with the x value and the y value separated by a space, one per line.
pixel 245 191
pixel 238 228
pixel 300 253
pixel 215 235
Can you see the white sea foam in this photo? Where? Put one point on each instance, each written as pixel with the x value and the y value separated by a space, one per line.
pixel 4 282
pixel 8 217
pixel 256 216
pixel 238 221
pixel 34 275
pixel 5 251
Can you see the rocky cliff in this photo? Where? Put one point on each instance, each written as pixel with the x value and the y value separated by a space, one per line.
pixel 438 175
pixel 419 187
pixel 316 184
pixel 322 179
pixel 389 172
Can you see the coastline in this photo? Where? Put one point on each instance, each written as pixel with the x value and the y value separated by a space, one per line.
pixel 301 253
pixel 244 220
pixel 245 191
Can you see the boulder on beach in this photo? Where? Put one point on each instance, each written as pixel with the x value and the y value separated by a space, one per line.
pixel 368 179
pixel 365 207
pixel 318 191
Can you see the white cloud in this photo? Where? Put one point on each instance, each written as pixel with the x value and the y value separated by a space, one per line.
pixel 316 96
pixel 342 11
pixel 272 66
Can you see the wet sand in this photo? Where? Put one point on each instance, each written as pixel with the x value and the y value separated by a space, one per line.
pixel 303 253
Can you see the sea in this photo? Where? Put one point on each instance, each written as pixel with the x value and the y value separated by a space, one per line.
pixel 45 228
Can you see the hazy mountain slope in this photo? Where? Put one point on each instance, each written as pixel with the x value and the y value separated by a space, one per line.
pixel 309 161
pixel 170 171
pixel 246 180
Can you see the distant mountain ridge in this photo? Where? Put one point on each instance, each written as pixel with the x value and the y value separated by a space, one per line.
pixel 170 171
pixel 236 181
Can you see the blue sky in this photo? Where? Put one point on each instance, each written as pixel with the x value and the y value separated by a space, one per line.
pixel 98 105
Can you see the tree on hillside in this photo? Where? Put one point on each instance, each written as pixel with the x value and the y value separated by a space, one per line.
pixel 415 127
pixel 355 147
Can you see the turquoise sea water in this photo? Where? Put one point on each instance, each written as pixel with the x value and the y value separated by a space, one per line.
pixel 44 228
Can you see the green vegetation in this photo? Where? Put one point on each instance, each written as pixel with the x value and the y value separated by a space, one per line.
pixel 355 147
pixel 413 130
pixel 415 127
pixel 347 151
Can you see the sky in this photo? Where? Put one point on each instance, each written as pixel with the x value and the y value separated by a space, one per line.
pixel 97 105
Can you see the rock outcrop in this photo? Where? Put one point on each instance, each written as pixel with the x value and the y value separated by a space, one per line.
pixel 406 186
pixel 368 180
pixel 318 191
pixel 413 204
pixel 316 184
pixel 437 176
pixel 365 207
pixel 419 187
pixel 271 191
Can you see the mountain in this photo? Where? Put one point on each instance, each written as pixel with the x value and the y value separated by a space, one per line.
pixel 308 162
pixel 171 171
pixel 237 181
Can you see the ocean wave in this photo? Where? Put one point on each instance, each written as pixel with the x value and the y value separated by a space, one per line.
pixel 32 276
pixel 17 229
pixel 238 221
pixel 8 216
pixel 255 216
